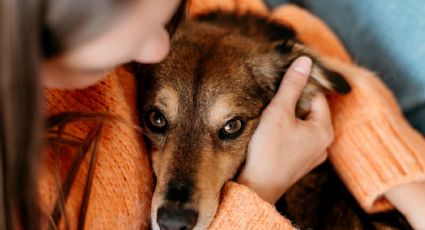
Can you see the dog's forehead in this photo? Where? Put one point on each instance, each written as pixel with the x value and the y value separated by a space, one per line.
pixel 217 65
pixel 217 71
pixel 209 73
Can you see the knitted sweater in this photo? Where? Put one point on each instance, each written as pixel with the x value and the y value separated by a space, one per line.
pixel 374 150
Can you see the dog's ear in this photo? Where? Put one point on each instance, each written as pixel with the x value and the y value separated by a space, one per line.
pixel 268 70
pixel 322 80
pixel 329 80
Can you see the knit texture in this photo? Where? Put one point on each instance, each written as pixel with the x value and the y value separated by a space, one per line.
pixel 122 186
pixel 240 208
pixel 375 148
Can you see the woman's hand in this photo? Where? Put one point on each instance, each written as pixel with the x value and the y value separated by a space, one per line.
pixel 284 148
pixel 409 199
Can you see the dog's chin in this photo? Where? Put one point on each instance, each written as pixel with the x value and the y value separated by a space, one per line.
pixel 206 216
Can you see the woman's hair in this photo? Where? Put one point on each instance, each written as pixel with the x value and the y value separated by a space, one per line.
pixel 33 30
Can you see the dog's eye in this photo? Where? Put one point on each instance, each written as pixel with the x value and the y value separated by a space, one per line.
pixel 232 129
pixel 156 121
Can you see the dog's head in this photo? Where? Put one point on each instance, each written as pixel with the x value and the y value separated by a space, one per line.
pixel 200 107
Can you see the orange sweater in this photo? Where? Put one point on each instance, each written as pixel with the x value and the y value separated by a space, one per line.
pixel 374 150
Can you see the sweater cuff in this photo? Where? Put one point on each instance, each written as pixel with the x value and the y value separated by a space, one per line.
pixel 375 149
pixel 369 170
pixel 241 208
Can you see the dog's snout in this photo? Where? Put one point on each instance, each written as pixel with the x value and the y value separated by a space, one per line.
pixel 171 217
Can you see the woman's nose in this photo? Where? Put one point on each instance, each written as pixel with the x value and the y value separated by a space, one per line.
pixel 155 48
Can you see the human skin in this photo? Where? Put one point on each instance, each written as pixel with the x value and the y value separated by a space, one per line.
pixel 409 199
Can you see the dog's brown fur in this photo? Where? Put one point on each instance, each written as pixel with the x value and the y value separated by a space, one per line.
pixel 221 68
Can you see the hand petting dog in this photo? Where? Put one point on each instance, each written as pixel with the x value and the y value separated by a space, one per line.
pixel 284 148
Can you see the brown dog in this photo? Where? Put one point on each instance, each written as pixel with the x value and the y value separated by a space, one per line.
pixel 200 107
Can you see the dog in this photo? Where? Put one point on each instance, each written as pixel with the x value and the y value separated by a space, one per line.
pixel 200 106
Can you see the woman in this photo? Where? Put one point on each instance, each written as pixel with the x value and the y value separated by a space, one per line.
pixel 69 44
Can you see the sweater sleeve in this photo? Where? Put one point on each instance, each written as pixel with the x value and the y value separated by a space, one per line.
pixel 203 6
pixel 241 208
pixel 375 148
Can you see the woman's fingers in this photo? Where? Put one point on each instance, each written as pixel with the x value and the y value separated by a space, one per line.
pixel 320 116
pixel 320 111
pixel 292 84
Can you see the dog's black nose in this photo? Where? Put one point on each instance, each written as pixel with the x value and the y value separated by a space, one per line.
pixel 170 217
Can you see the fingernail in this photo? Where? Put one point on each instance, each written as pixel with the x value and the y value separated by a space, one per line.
pixel 302 65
